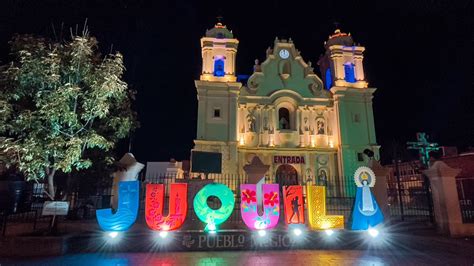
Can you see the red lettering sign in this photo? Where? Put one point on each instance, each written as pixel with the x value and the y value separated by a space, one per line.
pixel 278 159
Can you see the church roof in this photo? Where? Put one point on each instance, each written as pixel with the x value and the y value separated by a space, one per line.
pixel 284 72
pixel 220 31
pixel 339 38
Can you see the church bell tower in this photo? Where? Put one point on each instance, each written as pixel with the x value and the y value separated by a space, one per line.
pixel 219 48
pixel 343 74
pixel 217 93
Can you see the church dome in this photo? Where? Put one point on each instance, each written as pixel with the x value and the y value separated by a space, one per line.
pixel 339 38
pixel 219 31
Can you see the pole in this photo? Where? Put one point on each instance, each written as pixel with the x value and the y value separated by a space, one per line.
pixel 399 183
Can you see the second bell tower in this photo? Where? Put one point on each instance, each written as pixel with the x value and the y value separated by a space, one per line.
pixel 217 93
pixel 219 48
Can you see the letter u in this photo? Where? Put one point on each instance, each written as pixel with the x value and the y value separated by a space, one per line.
pixel 271 206
pixel 178 206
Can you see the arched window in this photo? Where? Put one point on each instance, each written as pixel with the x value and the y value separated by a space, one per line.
pixel 286 175
pixel 219 67
pixel 286 68
pixel 284 118
pixel 349 72
pixel 220 35
pixel 328 79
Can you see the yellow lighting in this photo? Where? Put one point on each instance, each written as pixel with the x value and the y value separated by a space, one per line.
pixel 271 144
pixel 313 142
pixel 211 77
pixel 331 144
pixel 242 140
pixel 318 220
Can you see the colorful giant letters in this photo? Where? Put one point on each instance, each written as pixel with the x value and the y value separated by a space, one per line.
pixel 318 220
pixel 127 209
pixel 178 206
pixel 271 206
pixel 211 217
pixel 294 204
pixel 366 211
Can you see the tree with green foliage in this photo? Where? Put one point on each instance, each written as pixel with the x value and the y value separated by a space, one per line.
pixel 60 100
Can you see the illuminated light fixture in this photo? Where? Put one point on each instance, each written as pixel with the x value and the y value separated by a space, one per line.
pixel 272 142
pixel 211 227
pixel 329 232
pixel 373 232
pixel 297 232
pixel 313 142
pixel 331 144
pixel 163 234
pixel 242 140
pixel 113 234
pixel 212 232
pixel 262 233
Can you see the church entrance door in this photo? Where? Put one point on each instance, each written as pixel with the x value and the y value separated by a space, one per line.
pixel 286 175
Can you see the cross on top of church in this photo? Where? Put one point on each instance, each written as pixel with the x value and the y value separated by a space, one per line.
pixel 424 148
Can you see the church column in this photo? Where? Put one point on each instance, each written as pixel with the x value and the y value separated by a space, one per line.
pixel 299 111
pixel 359 68
pixel 227 63
pixel 207 60
pixel 233 118
pixel 273 125
pixel 201 127
pixel 243 125
pixel 233 62
pixel 245 113
pixel 298 116
pixel 239 122
pixel 306 125
pixel 258 128
pixel 275 119
pixel 312 126
pixel 338 66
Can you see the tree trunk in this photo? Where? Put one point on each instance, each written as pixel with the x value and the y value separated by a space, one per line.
pixel 68 189
pixel 52 194
pixel 51 190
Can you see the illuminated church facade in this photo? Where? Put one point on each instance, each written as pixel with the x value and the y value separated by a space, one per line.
pixel 304 127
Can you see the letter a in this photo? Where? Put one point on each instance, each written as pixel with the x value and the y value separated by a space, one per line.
pixel 127 209
pixel 178 198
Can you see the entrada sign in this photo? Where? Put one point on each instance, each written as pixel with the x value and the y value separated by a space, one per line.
pixel 366 212
pixel 288 159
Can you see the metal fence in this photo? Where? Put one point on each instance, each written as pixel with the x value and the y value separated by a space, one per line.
pixel 24 222
pixel 465 187
pixel 409 199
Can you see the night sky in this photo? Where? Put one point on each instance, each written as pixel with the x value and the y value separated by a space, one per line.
pixel 419 55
